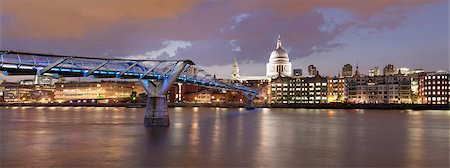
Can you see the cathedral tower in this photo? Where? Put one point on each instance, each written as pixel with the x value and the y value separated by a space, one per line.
pixel 235 71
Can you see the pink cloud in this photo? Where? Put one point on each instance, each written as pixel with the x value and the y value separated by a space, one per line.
pixel 75 19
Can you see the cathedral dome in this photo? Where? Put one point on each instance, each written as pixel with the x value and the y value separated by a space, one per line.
pixel 279 56
pixel 278 62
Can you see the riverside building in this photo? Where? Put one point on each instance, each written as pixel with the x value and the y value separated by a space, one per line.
pixel 337 89
pixel 434 87
pixel 379 89
pixel 92 91
pixel 295 90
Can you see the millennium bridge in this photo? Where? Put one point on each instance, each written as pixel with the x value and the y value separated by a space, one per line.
pixel 156 76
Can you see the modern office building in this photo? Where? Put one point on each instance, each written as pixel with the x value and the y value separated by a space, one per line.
pixel 294 90
pixel 282 90
pixel 434 87
pixel 314 89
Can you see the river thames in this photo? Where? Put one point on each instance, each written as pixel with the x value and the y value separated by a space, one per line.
pixel 222 137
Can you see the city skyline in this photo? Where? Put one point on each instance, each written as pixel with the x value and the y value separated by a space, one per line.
pixel 326 34
pixel 224 83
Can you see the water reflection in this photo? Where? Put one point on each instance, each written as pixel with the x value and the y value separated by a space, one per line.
pixel 415 141
pixel 211 137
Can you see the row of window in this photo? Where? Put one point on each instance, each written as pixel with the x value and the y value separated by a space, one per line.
pixel 437 98
pixel 297 84
pixel 300 98
pixel 300 93
pixel 434 93
pixel 435 87
pixel 335 81
pixel 436 77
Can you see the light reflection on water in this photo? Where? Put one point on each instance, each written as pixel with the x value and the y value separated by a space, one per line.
pixel 207 137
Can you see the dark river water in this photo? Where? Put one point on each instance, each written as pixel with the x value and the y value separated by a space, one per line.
pixel 220 137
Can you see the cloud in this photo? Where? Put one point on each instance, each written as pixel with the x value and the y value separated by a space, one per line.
pixel 363 8
pixel 239 18
pixel 327 47
pixel 66 19
pixel 62 19
pixel 334 18
pixel 169 50
pixel 236 46
pixel 144 28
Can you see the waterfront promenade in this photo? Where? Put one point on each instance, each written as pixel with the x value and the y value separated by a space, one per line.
pixel 237 105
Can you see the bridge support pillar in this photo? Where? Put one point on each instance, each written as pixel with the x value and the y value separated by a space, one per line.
pixel 249 100
pixel 156 111
pixel 250 104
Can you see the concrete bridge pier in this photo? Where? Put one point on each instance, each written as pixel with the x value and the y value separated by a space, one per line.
pixel 249 100
pixel 156 111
